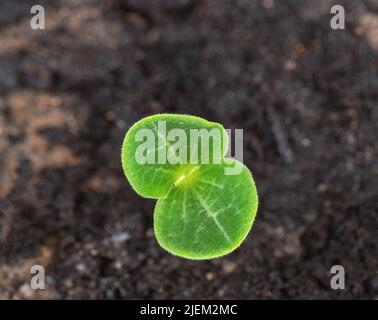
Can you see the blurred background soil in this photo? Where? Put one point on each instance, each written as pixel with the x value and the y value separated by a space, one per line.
pixel 305 95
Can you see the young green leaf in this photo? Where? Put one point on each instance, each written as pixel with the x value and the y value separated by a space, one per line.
pixel 207 216
pixel 151 139
pixel 204 211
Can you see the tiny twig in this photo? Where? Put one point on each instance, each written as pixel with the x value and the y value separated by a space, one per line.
pixel 280 136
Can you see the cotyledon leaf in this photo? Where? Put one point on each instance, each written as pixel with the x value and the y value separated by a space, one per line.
pixel 154 180
pixel 208 214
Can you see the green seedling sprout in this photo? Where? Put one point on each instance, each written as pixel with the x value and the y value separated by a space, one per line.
pixel 201 212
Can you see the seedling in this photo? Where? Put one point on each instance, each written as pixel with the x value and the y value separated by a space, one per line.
pixel 201 212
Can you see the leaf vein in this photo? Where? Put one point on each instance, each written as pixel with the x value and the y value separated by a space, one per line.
pixel 213 215
pixel 211 183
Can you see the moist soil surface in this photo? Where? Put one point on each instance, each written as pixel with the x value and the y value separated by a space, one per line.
pixel 304 94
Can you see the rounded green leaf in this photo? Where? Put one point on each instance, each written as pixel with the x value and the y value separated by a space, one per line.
pixel 153 179
pixel 207 214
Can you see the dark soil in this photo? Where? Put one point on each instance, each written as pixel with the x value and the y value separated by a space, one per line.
pixel 305 95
